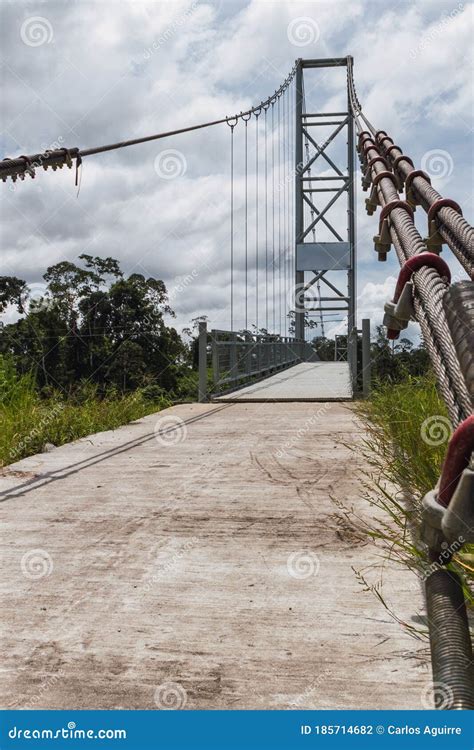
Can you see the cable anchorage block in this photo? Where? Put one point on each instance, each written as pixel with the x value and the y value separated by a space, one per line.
pixel 410 195
pixel 412 265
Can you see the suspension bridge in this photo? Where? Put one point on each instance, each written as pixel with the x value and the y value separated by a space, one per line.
pixel 215 569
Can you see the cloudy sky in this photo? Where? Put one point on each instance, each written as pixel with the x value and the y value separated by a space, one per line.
pixel 84 74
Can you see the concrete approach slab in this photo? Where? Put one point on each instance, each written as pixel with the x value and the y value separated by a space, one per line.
pixel 307 381
pixel 195 559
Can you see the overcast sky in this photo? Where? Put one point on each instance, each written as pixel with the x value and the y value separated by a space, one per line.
pixel 89 73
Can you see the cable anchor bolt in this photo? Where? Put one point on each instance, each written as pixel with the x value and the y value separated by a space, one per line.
pixel 400 310
pixel 434 241
pixel 410 194
pixel 367 176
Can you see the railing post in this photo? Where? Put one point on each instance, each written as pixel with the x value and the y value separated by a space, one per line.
pixel 248 357
pixel 215 357
pixel 233 355
pixel 202 360
pixel 366 364
pixel 352 356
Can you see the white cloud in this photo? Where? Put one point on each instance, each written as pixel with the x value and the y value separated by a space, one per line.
pixel 151 66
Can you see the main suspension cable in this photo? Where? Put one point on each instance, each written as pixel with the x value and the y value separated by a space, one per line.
pixel 21 165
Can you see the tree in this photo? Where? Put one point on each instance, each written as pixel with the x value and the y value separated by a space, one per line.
pixel 97 325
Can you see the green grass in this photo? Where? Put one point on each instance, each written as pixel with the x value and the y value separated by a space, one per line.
pixel 407 436
pixel 28 421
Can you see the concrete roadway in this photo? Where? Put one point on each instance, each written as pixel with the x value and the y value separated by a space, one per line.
pixel 308 381
pixel 195 559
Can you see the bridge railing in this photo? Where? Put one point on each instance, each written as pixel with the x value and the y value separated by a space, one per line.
pixel 236 359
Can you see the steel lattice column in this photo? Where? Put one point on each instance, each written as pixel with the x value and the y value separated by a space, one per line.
pixel 323 257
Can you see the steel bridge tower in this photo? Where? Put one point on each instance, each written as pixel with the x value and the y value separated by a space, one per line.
pixel 313 255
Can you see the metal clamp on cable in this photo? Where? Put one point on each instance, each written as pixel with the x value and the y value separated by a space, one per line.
pixel 373 201
pixel 382 140
pixel 434 241
pixel 383 240
pixel 399 312
pixel 448 510
pixel 362 137
pixel 398 174
pixel 365 148
pixel 410 195
pixel 27 169
pixel 367 176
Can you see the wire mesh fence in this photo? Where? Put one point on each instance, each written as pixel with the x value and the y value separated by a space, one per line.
pixel 229 360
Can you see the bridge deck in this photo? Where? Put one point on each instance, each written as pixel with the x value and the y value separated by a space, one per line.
pixel 308 381
pixel 211 557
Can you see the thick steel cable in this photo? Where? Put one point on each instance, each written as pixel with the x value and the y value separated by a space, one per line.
pixel 273 219
pixel 285 216
pixel 279 217
pixel 256 222
pixel 292 159
pixel 232 227
pixel 428 285
pixel 13 167
pixel 430 288
pixel 266 218
pixel 246 251
pixel 453 228
pixel 288 204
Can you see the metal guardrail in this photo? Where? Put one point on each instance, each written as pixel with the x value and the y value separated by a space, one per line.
pixel 236 359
